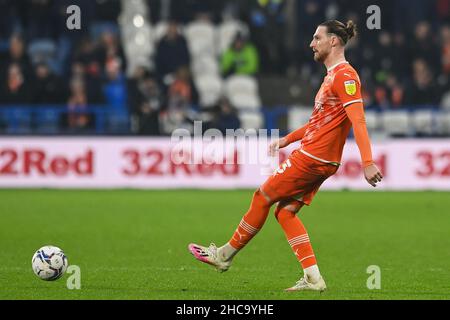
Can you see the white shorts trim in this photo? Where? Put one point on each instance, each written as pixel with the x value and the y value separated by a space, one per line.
pixel 319 159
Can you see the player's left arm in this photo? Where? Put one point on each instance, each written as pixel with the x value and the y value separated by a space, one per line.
pixel 348 87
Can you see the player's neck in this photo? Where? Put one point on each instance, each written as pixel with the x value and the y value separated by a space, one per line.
pixel 334 60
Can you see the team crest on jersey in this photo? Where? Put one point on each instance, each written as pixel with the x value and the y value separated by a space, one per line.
pixel 350 87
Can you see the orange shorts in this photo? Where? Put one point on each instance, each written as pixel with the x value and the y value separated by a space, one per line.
pixel 299 177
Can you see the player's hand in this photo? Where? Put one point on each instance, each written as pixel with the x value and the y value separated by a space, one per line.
pixel 373 175
pixel 277 145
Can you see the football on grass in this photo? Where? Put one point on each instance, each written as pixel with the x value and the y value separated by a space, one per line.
pixel 49 263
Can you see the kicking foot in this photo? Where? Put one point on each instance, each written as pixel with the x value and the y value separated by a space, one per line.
pixel 303 284
pixel 209 255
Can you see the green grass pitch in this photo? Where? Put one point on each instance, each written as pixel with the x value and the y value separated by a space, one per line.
pixel 132 244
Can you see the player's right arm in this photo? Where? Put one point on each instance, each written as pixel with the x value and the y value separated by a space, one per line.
pixel 287 140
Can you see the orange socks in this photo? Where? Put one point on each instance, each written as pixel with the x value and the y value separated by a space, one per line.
pixel 252 222
pixel 294 229
pixel 297 237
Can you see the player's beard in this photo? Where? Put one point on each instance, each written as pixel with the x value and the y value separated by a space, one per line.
pixel 320 56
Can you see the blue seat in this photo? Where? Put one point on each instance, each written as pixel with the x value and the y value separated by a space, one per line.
pixel 18 120
pixel 3 121
pixel 117 121
pixel 47 120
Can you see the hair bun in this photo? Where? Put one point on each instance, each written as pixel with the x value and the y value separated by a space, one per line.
pixel 350 29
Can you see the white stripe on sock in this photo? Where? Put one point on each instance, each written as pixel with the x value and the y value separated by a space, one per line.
pixel 299 242
pixel 244 225
pixel 248 229
pixel 302 237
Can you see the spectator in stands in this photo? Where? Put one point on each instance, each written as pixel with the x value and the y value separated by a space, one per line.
pixel 114 87
pixel 445 52
pixel 87 55
pixel 240 58
pixel 182 92
pixel 384 56
pixel 133 87
pixel 76 104
pixel 225 117
pixel 88 73
pixel 177 119
pixel 17 55
pixel 390 94
pixel 149 106
pixel 145 100
pixel 171 53
pixel 424 90
pixel 48 88
pixel 16 89
pixel 87 65
pixel 110 50
pixel 424 46
pixel 396 91
pixel 445 101
pixel 445 58
pixel 267 25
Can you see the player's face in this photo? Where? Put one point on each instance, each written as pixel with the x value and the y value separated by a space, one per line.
pixel 321 44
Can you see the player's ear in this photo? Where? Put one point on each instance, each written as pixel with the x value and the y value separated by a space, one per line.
pixel 334 40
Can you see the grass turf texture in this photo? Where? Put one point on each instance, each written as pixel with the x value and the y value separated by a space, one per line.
pixel 132 244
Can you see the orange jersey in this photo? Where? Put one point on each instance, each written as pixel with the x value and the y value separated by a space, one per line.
pixel 329 125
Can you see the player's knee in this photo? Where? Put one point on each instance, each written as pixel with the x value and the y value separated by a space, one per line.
pixel 261 196
pixel 287 210
pixel 281 213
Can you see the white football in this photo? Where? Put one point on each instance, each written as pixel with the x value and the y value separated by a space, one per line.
pixel 49 263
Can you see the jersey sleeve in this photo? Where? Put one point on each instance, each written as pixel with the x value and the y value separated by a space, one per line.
pixel 296 135
pixel 355 113
pixel 347 87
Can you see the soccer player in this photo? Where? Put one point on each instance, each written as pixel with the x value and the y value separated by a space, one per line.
pixel 338 107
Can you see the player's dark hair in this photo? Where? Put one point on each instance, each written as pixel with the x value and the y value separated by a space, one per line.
pixel 344 31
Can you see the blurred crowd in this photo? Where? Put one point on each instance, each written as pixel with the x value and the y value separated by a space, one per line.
pixel 407 62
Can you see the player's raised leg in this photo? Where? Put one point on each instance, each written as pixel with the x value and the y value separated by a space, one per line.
pixel 249 226
pixel 298 239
